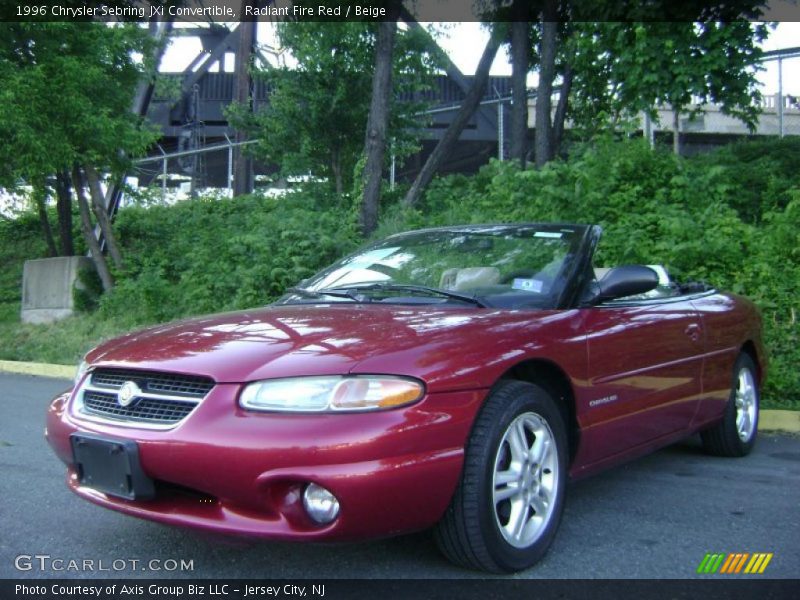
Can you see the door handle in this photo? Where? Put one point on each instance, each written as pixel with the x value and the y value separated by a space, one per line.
pixel 693 331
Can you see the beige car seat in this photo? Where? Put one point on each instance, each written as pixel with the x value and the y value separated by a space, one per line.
pixel 469 278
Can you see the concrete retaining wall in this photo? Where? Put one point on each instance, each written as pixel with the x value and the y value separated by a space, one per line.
pixel 47 285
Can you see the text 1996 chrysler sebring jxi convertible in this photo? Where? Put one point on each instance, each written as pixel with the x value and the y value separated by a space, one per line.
pixel 452 377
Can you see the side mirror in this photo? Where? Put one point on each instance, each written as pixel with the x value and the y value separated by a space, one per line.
pixel 626 280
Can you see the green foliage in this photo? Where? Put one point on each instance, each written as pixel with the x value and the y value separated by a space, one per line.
pixel 65 97
pixel 625 67
pixel 20 240
pixel 63 342
pixel 771 277
pixel 87 290
pixel 647 203
pixel 762 173
pixel 220 254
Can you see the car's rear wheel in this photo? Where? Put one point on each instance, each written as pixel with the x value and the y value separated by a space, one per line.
pixel 736 434
pixel 508 505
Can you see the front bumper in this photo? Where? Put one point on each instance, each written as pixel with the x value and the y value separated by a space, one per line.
pixel 238 472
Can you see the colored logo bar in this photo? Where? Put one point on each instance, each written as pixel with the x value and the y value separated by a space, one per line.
pixel 734 563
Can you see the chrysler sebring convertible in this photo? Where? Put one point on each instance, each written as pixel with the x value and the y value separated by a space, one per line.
pixel 453 378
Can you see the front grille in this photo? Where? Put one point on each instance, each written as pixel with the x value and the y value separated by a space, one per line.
pixel 191 386
pixel 165 398
pixel 153 410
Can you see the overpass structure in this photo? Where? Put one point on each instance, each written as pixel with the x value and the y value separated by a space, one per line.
pixel 197 121
pixel 196 147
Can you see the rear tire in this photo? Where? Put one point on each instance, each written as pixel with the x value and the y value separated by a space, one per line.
pixel 508 504
pixel 736 434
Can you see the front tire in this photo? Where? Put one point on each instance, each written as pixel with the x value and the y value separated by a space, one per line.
pixel 507 507
pixel 736 434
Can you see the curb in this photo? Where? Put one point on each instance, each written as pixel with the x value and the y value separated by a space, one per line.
pixel 785 421
pixel 38 369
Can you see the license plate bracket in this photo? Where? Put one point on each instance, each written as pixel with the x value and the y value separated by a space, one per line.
pixel 110 466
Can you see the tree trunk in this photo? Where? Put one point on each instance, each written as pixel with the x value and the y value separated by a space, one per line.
pixel 547 70
pixel 242 163
pixel 39 197
pixel 452 133
pixel 676 130
pixel 520 51
pixel 100 213
pixel 159 29
pixel 88 232
pixel 378 121
pixel 336 170
pixel 64 209
pixel 561 111
pixel 453 72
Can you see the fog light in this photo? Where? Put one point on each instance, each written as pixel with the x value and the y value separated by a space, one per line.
pixel 320 504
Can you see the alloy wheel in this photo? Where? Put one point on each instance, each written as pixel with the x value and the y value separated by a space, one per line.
pixel 525 480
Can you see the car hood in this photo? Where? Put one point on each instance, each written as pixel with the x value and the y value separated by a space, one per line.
pixel 438 345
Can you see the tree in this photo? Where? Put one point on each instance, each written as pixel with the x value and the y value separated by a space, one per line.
pixel 314 109
pixel 316 114
pixel 547 53
pixel 65 99
pixel 63 187
pixel 521 17
pixel 453 131
pixel 699 51
pixel 378 120
pixel 88 232
pixel 101 214
pixel 39 197
pixel 614 70
pixel 243 165
pixel 520 64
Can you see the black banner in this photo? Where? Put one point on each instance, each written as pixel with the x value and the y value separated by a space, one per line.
pixel 376 10
pixel 386 589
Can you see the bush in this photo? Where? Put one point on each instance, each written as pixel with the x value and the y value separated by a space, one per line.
pixel 20 240
pixel 653 207
pixel 87 290
pixel 760 173
pixel 772 278
pixel 220 254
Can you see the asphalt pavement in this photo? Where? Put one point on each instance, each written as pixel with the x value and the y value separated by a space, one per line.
pixel 656 517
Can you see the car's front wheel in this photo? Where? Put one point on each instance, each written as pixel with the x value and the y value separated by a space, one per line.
pixel 506 510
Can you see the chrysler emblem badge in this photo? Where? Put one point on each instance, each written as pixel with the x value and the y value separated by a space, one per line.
pixel 128 393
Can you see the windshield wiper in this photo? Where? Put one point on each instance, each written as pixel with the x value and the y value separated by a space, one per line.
pixel 409 287
pixel 338 293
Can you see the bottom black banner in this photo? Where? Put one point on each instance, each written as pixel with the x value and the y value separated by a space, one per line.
pixel 385 589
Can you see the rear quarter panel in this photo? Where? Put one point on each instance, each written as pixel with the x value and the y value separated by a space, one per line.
pixel 730 323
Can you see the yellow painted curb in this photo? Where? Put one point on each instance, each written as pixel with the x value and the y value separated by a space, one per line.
pixel 40 369
pixel 779 420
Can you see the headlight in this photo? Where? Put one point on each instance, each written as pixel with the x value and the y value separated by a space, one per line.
pixel 82 368
pixel 330 394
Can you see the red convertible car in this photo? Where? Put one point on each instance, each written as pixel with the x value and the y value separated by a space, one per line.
pixel 453 378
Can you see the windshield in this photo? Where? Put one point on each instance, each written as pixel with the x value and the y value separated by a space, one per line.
pixel 497 266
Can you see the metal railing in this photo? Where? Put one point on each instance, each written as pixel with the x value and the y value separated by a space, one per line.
pixel 165 157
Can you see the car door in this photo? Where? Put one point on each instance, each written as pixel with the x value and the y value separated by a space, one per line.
pixel 644 372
